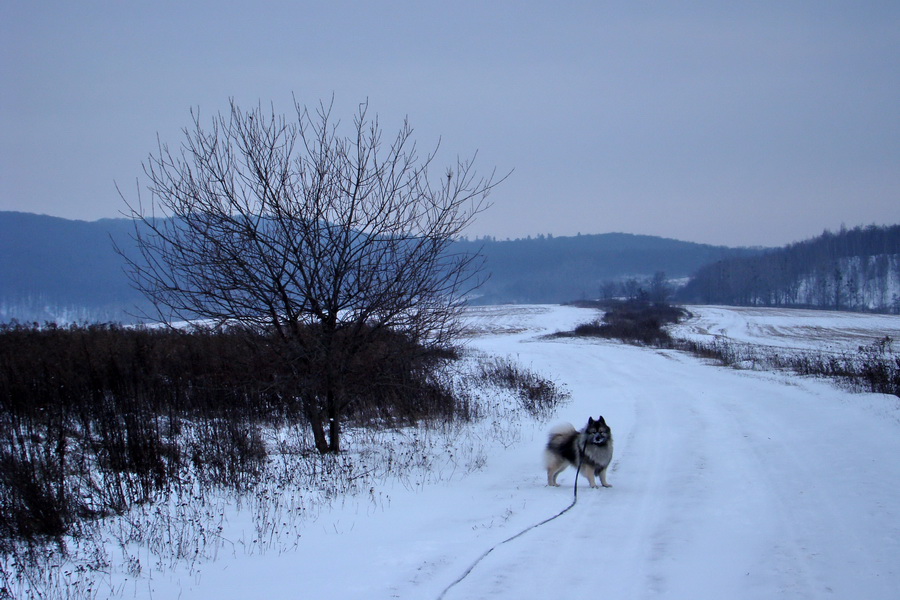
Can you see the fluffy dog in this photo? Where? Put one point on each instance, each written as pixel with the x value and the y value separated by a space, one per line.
pixel 592 448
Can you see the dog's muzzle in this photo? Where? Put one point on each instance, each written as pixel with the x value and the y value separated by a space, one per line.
pixel 600 439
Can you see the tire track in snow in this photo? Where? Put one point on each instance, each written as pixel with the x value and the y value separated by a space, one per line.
pixel 704 505
pixel 828 512
pixel 631 529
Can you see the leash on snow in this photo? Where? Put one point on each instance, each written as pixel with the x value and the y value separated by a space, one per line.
pixel 524 531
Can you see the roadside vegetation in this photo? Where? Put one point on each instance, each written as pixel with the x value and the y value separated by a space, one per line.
pixel 160 431
pixel 871 368
pixel 537 395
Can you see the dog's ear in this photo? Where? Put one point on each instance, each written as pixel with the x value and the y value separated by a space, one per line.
pixel 601 420
pixel 591 421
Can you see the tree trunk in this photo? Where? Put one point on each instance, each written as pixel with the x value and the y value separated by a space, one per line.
pixel 318 429
pixel 334 424
pixel 335 434
pixel 330 441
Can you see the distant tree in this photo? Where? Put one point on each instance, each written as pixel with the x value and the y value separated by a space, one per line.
pixel 660 290
pixel 609 290
pixel 632 289
pixel 325 242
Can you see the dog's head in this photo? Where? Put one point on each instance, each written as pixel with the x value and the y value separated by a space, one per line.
pixel 597 432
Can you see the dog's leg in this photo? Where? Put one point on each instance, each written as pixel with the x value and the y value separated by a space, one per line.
pixel 552 472
pixel 589 473
pixel 602 474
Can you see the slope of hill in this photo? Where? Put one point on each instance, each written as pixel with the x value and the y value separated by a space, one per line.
pixel 856 269
pixel 58 269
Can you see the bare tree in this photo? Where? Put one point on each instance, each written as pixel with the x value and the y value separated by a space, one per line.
pixel 660 289
pixel 326 242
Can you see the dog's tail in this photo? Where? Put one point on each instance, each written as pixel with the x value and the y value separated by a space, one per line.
pixel 563 429
pixel 560 435
pixel 559 446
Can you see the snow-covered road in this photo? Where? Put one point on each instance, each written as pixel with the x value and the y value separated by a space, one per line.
pixel 727 484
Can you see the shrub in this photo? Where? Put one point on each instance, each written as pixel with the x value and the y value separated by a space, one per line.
pixel 537 395
pixel 33 508
pixel 632 321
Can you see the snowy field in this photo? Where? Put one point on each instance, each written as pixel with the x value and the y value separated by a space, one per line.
pixel 828 331
pixel 727 484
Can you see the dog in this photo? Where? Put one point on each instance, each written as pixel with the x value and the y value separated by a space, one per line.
pixel 592 448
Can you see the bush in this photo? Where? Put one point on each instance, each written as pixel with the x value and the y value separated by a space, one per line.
pixel 33 508
pixel 632 321
pixel 537 395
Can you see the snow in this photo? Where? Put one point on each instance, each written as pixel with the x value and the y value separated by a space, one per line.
pixel 831 331
pixel 726 484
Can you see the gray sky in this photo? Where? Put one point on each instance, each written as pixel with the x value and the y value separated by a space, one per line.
pixel 751 123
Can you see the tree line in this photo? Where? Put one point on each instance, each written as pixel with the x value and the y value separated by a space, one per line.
pixel 853 269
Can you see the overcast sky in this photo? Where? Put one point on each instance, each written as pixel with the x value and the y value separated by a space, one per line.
pixel 751 123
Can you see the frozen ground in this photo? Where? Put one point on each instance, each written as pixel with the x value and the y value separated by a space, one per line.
pixel 727 484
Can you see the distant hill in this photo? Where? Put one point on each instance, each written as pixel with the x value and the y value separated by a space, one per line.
pixel 52 268
pixel 561 269
pixel 855 269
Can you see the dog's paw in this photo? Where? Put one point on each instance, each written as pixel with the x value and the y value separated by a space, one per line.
pixel 607 485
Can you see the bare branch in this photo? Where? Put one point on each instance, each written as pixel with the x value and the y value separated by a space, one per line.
pixel 290 227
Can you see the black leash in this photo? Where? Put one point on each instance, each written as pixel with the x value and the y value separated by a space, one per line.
pixel 526 530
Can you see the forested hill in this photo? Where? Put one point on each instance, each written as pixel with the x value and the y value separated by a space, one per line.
pixel 561 269
pixel 52 269
pixel 855 269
